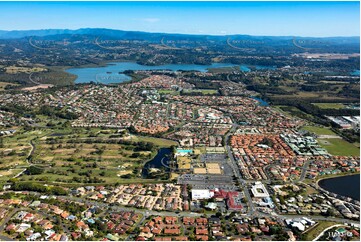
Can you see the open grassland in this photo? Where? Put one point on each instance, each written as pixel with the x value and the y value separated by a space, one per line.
pixel 330 105
pixel 170 92
pixel 293 111
pixel 339 147
pixel 319 130
pixel 77 156
pixel 4 84
pixel 317 229
pixel 228 69
pixel 311 95
pixel 203 91
pixel 157 141
pixel 13 152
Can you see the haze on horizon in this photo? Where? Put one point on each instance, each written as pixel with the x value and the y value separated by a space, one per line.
pixel 311 19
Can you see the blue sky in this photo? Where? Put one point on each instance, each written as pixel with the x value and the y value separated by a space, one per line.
pixel 216 18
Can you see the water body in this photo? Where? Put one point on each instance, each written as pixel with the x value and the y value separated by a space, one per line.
pixel 161 160
pixel 265 67
pixel 345 186
pixel 112 72
pixel 355 73
pixel 262 102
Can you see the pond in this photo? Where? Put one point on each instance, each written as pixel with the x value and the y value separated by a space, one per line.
pixel 261 101
pixel 160 161
pixel 344 185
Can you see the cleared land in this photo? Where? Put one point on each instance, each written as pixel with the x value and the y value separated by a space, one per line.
pixel 171 92
pixel 203 91
pixel 228 69
pixel 330 105
pixel 339 147
pixel 315 231
pixel 319 130
pixel 4 84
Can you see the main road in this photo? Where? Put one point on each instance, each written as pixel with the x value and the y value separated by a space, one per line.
pixel 251 209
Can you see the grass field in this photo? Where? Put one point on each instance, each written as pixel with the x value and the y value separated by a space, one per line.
pixel 13 152
pixel 309 190
pixel 330 105
pixel 55 75
pixel 293 111
pixel 223 69
pixel 315 231
pixel 74 156
pixel 170 92
pixel 319 130
pixel 4 84
pixel 157 141
pixel 307 95
pixel 339 147
pixel 203 91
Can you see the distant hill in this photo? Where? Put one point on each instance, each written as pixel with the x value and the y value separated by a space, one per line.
pixel 121 34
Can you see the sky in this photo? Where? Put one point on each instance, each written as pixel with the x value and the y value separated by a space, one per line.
pixel 313 19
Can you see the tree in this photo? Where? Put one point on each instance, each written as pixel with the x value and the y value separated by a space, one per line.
pixel 33 170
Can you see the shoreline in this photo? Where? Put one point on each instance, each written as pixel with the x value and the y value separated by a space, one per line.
pixel 336 176
pixel 112 62
pixel 333 177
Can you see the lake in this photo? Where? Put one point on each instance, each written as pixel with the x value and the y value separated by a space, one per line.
pixel 344 185
pixel 112 72
pixel 161 160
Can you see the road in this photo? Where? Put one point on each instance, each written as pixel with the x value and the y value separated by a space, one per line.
pixel 31 80
pixel 234 165
pixel 32 149
pixel 252 211
pixel 116 208
pixel 4 223
pixel 5 238
pixel 304 171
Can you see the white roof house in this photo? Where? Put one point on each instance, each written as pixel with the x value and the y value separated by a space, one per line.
pixel 201 194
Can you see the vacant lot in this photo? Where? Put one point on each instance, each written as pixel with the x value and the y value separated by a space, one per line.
pixel 203 91
pixel 319 130
pixel 339 147
pixel 315 231
pixel 170 92
pixel 4 84
pixel 330 105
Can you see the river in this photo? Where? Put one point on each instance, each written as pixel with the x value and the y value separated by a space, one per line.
pixel 344 185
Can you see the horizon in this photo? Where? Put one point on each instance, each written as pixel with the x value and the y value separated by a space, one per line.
pixel 178 33
pixel 294 19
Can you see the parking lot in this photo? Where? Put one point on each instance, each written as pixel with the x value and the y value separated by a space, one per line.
pixel 213 181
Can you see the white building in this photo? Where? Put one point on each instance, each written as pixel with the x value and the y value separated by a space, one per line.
pixel 259 190
pixel 198 194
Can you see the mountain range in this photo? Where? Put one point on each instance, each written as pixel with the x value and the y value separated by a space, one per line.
pixel 122 34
